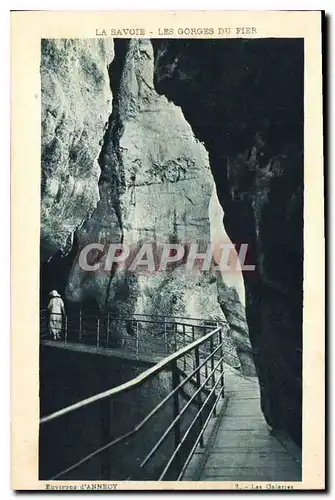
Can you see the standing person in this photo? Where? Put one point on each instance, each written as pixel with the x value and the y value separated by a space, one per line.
pixel 56 314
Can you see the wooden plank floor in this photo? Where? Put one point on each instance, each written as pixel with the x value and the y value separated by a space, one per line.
pixel 244 449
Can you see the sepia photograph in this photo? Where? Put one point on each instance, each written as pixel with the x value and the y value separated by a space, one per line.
pixel 170 298
pixel 162 356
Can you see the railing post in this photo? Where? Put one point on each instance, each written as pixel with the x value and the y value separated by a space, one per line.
pixel 221 364
pixel 105 414
pixel 193 337
pixel 80 325
pixel 176 411
pixel 184 344
pixel 197 364
pixel 98 332
pixel 204 347
pixel 65 329
pixel 212 369
pixel 107 340
pixel 137 340
pixel 206 367
pixel 175 337
pixel 165 337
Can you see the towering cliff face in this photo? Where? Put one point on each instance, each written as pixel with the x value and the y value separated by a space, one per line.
pixel 244 100
pixel 140 178
pixel 155 187
pixel 76 103
pixel 151 165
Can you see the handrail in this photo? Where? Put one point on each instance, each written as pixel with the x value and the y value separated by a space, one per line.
pixel 135 315
pixel 126 318
pixel 192 398
pixel 200 403
pixel 143 342
pixel 140 379
pixel 188 459
pixel 190 427
pixel 84 329
pixel 165 323
pixel 145 420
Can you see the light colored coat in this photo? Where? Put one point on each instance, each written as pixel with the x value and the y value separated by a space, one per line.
pixel 57 312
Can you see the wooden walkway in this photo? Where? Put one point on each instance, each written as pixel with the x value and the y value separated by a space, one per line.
pixel 241 446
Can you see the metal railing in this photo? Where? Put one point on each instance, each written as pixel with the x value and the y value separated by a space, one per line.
pixel 160 335
pixel 165 410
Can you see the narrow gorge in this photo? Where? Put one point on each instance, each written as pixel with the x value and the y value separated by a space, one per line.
pixel 147 142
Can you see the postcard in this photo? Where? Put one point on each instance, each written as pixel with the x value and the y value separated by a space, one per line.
pixel 168 319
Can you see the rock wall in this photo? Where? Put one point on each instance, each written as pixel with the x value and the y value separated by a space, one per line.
pixel 75 104
pixel 244 101
pixel 156 187
pixel 144 179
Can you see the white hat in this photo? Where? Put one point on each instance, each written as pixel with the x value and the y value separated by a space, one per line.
pixel 54 293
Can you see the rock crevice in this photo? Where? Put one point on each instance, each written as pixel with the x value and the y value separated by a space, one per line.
pixel 239 100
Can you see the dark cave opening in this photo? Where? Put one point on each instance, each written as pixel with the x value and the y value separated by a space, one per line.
pixel 54 275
